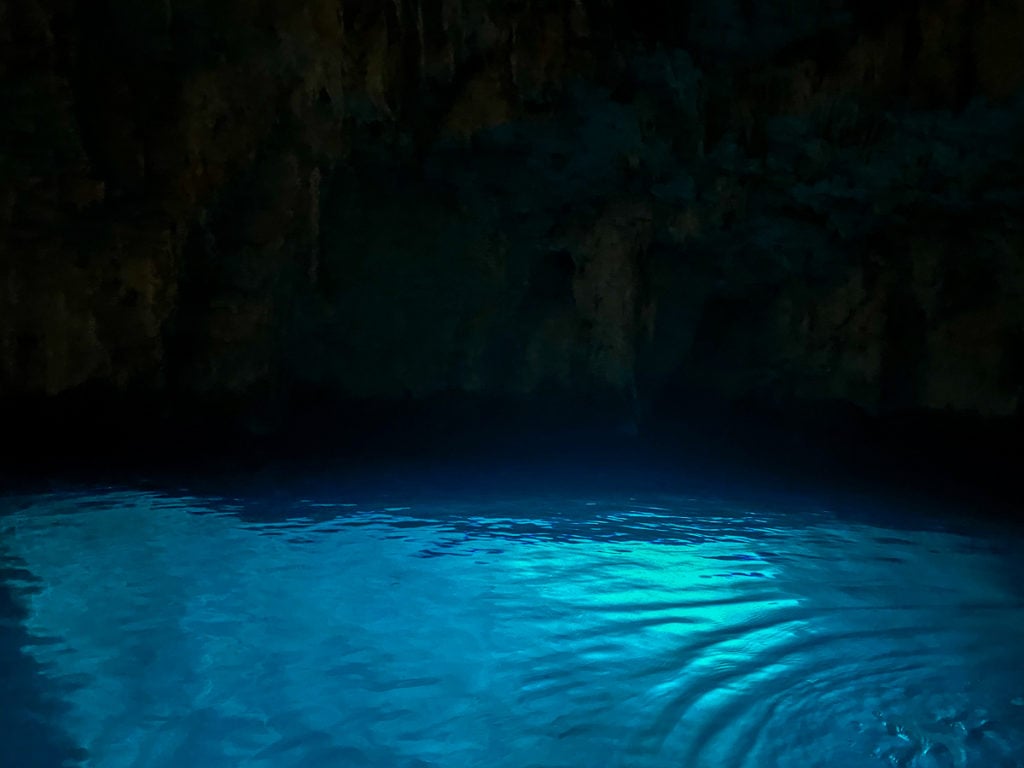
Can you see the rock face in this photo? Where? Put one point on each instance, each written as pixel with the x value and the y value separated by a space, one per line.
pixel 239 203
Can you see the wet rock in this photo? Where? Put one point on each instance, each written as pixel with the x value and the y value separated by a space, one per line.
pixel 791 203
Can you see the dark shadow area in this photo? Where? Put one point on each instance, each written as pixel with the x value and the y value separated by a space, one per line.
pixel 29 736
pixel 532 444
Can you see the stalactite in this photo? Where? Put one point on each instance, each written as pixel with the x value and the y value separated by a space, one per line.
pixel 378 76
pixel 460 16
pixel 342 66
pixel 513 59
pixel 577 24
pixel 422 36
pixel 451 25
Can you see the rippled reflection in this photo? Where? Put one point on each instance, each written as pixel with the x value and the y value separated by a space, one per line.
pixel 675 632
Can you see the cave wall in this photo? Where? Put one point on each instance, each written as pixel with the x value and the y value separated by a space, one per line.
pixel 243 201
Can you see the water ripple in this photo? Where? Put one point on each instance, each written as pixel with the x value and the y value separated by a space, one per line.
pixel 551 632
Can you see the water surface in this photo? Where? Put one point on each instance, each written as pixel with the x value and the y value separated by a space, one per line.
pixel 560 630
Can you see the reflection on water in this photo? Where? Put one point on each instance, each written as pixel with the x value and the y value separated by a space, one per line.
pixel 549 632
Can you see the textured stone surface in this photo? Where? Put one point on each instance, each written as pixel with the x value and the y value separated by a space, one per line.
pixel 787 202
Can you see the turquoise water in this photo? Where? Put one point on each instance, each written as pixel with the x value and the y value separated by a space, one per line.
pixel 175 630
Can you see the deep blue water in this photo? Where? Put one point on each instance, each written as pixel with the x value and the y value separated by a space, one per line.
pixel 153 627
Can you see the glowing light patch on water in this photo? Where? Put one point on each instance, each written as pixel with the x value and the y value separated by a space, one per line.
pixel 520 633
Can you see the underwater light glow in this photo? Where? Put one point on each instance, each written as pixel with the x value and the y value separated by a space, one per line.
pixel 532 632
